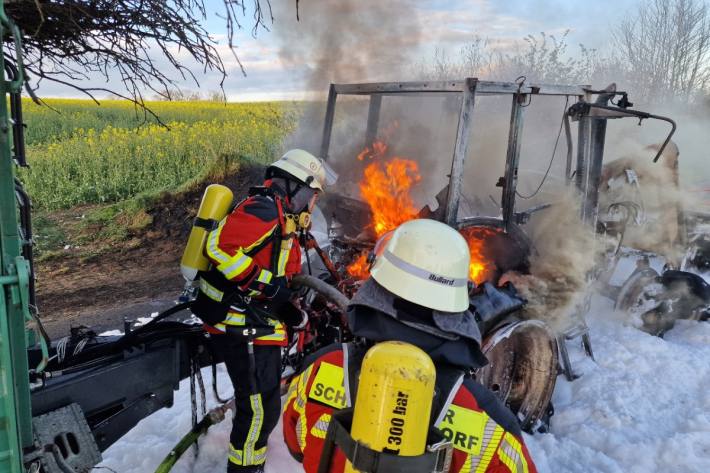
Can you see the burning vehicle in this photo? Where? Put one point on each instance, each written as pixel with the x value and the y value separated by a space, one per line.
pixel 393 174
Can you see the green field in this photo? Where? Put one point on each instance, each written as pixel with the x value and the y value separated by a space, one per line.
pixel 89 154
pixel 96 170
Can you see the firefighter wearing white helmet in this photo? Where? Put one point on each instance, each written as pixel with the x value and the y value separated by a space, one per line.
pixel 244 297
pixel 417 294
pixel 305 167
pixel 426 262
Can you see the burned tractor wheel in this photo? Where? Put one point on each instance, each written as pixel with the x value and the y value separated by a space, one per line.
pixel 522 368
pixel 633 292
pixel 659 300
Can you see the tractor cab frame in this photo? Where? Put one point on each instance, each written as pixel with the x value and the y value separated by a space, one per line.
pixel 591 109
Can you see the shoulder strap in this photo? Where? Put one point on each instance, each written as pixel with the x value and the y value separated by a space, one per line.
pixel 353 353
pixel 448 381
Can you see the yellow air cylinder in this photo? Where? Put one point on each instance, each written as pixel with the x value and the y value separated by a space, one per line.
pixel 214 206
pixel 394 397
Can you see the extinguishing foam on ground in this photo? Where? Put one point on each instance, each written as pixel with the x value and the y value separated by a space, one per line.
pixel 643 406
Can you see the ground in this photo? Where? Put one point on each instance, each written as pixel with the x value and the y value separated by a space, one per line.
pixel 101 282
pixel 642 406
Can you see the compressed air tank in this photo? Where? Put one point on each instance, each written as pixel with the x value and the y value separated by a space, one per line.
pixel 214 207
pixel 394 398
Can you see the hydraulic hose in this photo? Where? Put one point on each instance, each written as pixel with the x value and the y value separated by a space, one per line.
pixel 322 287
pixel 214 416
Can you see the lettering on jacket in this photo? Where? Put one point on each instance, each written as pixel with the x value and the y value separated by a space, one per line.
pixel 464 428
pixel 328 386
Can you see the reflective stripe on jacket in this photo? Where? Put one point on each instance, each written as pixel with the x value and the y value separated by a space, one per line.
pixel 480 443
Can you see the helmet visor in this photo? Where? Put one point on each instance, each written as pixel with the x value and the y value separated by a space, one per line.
pixel 331 177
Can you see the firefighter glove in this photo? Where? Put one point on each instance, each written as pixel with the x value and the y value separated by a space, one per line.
pixel 279 294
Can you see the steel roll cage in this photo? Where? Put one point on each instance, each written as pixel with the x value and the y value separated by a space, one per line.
pixel 468 89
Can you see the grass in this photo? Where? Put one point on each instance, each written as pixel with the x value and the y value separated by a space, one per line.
pixel 108 164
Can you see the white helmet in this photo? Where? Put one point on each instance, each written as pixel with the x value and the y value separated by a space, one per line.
pixel 305 167
pixel 426 262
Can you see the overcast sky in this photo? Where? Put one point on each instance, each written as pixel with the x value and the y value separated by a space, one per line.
pixel 282 63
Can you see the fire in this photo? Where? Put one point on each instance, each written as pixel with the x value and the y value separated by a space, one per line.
pixel 378 149
pixel 359 269
pixel 385 186
pixel 481 268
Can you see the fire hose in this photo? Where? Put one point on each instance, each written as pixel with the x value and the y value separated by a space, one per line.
pixel 214 416
pixel 318 285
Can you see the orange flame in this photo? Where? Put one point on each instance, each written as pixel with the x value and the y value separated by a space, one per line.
pixel 386 187
pixel 359 269
pixel 480 269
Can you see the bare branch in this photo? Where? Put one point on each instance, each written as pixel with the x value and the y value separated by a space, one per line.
pixel 68 41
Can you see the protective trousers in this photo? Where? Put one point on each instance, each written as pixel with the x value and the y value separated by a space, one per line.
pixel 257 410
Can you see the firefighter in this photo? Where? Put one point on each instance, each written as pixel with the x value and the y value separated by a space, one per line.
pixel 244 298
pixel 417 293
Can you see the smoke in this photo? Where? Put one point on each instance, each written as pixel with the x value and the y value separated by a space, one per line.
pixel 363 41
pixel 344 41
pixel 664 190
pixel 565 253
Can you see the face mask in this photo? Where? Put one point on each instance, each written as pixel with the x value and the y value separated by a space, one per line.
pixel 304 199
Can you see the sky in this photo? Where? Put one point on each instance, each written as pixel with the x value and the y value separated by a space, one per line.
pixel 280 62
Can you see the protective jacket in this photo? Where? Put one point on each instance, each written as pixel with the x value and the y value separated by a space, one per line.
pixel 253 250
pixel 486 436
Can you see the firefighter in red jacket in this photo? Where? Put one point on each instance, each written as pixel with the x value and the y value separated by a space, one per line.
pixel 254 251
pixel 417 293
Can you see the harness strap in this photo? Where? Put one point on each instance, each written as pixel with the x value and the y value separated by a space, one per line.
pixel 368 460
pixel 352 362
pixel 208 224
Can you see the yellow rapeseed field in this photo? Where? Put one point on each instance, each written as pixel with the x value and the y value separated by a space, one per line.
pixel 107 153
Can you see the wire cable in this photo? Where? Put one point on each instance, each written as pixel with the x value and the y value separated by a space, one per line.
pixel 552 159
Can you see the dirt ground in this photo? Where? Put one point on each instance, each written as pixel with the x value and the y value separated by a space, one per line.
pixel 131 280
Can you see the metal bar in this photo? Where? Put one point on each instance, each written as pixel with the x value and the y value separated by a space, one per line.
pixel 483 87
pixel 596 145
pixel 8 280
pixel 328 122
pixel 399 87
pixel 373 119
pixel 591 196
pixel 491 87
pixel 15 415
pixel 10 443
pixel 554 89
pixel 597 137
pixel 512 160
pixel 582 152
pixel 463 133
